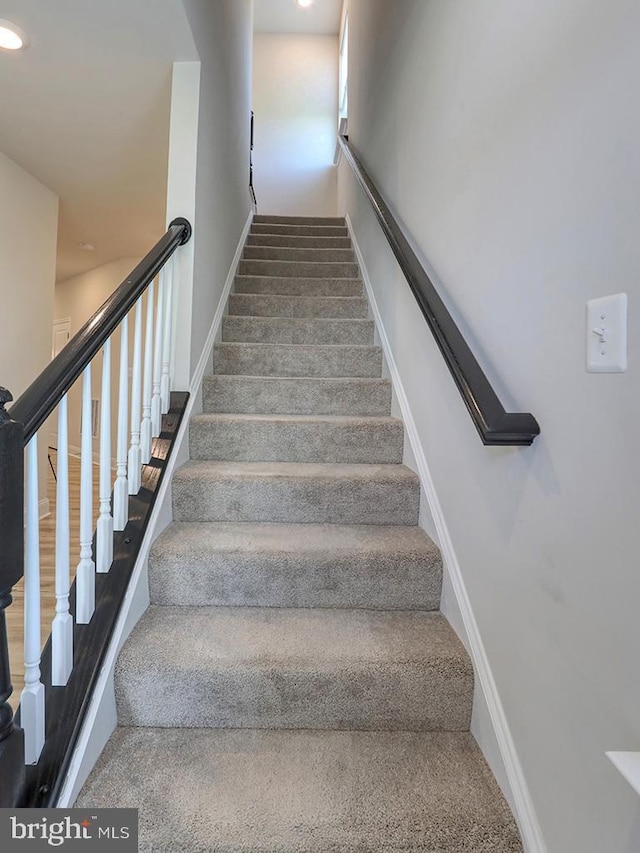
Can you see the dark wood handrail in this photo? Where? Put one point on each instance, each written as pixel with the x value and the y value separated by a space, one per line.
pixel 495 425
pixel 35 405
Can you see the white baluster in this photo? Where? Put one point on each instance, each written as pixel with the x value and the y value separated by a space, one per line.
pixel 62 628
pixel 104 532
pixel 156 403
pixel 121 489
pixel 145 427
pixel 134 467
pixel 32 696
pixel 86 570
pixel 165 382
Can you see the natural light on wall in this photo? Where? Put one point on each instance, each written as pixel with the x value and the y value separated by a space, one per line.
pixel 344 67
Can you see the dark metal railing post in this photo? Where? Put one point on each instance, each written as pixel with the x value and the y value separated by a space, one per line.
pixel 11 570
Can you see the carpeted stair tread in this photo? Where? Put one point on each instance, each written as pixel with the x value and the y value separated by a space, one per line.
pixel 299 330
pixel 264 305
pixel 296 438
pixel 295 492
pixel 244 667
pixel 297 360
pixel 299 230
pixel 292 253
pixel 253 791
pixel 301 395
pixel 272 219
pixel 295 565
pixel 275 285
pixel 299 269
pixel 298 242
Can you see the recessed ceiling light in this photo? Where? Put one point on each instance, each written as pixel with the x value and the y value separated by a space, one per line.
pixel 304 3
pixel 88 247
pixel 12 37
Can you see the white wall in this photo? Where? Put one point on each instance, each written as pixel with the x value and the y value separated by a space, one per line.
pixel 295 101
pixel 28 235
pixel 506 137
pixel 222 31
pixel 79 298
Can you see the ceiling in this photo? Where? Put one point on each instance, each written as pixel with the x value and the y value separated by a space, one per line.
pixel 285 16
pixel 85 110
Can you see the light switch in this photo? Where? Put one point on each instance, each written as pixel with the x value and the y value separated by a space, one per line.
pixel 607 334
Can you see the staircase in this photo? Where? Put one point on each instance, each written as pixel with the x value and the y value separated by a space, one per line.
pixel 292 686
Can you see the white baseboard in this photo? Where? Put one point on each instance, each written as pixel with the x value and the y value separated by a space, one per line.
pixel 101 719
pixel 519 790
pixel 74 450
pixel 222 305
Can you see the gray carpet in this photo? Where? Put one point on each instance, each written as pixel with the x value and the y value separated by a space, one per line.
pixel 293 686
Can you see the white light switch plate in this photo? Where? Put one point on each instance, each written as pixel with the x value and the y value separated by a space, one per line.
pixel 607 334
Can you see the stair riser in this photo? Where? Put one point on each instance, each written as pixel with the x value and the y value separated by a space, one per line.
pixel 298 269
pixel 295 500
pixel 293 242
pixel 277 360
pixel 297 331
pixel 403 697
pixel 300 230
pixel 351 580
pixel 301 396
pixel 314 287
pixel 238 440
pixel 258 305
pixel 286 253
pixel 263 219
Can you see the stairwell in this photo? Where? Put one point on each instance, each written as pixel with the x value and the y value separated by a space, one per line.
pixel 292 686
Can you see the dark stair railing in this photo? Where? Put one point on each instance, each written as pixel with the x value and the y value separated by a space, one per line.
pixel 37 744
pixel 495 425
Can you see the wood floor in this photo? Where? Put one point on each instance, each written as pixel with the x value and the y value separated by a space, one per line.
pixel 15 613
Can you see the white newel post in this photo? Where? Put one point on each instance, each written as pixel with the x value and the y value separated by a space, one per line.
pixel 147 391
pixel 86 570
pixel 134 466
pixel 32 696
pixel 104 532
pixel 165 382
pixel 62 628
pixel 121 489
pixel 156 403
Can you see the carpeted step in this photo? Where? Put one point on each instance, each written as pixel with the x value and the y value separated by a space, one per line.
pixel 259 305
pixel 287 330
pixel 254 791
pixel 289 253
pixel 270 219
pixel 250 667
pixel 284 286
pixel 299 269
pixel 295 565
pixel 295 242
pixel 296 438
pixel 295 492
pixel 298 395
pixel 297 360
pixel 300 230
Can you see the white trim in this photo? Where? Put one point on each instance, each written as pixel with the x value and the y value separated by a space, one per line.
pixel 525 812
pixel 100 721
pixel 627 763
pixel 222 305
pixel 75 451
